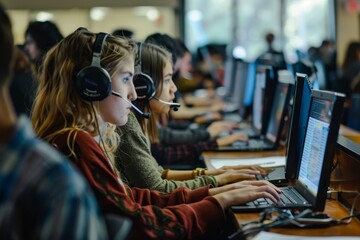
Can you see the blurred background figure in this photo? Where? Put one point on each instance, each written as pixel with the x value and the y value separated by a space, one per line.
pixel 271 56
pixel 270 43
pixel 23 85
pixel 210 60
pixel 39 38
pixel 324 58
pixel 124 32
pixel 350 69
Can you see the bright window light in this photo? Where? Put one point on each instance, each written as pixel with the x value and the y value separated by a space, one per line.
pixel 44 16
pixel 98 13
pixel 195 15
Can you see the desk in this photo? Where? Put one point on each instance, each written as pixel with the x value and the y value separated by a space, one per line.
pixel 236 155
pixel 333 208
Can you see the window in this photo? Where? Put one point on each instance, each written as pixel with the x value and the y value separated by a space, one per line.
pixel 297 24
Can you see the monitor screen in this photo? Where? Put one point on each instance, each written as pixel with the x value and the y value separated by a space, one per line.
pixel 239 85
pixel 229 76
pixel 315 144
pixel 277 111
pixel 299 119
pixel 258 99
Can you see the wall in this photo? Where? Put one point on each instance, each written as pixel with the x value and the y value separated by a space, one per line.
pixel 348 29
pixel 127 17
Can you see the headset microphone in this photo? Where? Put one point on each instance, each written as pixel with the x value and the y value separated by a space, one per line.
pixel 144 114
pixel 174 106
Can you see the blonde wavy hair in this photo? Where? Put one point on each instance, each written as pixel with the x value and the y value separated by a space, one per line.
pixel 58 107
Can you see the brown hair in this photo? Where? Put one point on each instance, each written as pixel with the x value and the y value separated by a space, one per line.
pixel 153 61
pixel 6 46
pixel 58 107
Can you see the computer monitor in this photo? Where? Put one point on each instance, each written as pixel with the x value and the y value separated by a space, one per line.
pixel 321 133
pixel 258 102
pixel 298 122
pixel 240 80
pixel 280 103
pixel 229 76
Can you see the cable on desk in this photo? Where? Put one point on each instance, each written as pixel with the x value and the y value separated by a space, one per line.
pixel 351 215
pixel 267 221
pixel 284 217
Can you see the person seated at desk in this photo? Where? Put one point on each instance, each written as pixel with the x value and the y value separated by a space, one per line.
pixel 195 109
pixel 41 195
pixel 144 170
pixel 82 127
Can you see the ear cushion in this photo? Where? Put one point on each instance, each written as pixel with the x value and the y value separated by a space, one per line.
pixel 93 83
pixel 144 86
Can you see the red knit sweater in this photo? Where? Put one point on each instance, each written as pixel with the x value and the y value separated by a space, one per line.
pixel 183 214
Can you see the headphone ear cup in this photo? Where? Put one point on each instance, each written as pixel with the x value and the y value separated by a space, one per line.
pixel 144 86
pixel 93 83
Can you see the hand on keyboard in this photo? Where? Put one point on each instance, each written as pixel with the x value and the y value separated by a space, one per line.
pixel 243 192
pixel 231 138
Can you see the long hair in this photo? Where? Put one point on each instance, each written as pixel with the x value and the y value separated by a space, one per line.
pixel 6 46
pixel 153 61
pixel 45 34
pixel 58 107
pixel 351 55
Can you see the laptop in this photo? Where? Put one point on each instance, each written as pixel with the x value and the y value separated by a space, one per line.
pixel 265 84
pixel 316 157
pixel 299 117
pixel 236 92
pixel 271 139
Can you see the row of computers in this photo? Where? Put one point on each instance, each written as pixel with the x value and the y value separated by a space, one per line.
pixel 313 125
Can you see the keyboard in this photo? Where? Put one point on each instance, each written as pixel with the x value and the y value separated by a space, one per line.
pixel 277 173
pixel 287 197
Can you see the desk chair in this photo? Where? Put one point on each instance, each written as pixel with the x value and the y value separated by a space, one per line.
pixel 118 227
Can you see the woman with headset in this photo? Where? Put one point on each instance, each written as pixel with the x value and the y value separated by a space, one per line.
pixel 155 95
pixel 85 90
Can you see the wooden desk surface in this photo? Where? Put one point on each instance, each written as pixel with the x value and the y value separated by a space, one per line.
pixel 238 155
pixel 333 208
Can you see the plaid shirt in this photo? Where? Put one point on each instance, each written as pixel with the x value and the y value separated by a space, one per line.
pixel 41 195
pixel 181 154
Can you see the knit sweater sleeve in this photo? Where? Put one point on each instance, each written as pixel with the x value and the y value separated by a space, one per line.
pixel 186 136
pixel 183 214
pixel 138 166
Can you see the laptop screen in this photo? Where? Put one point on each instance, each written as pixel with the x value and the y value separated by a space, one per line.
pixel 299 119
pixel 229 76
pixel 258 99
pixel 315 144
pixel 277 111
pixel 240 77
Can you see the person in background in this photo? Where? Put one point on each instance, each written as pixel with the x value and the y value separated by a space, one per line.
pixel 42 195
pixel 124 32
pixel 82 127
pixel 39 38
pixel 351 67
pixel 185 79
pixel 23 85
pixel 138 134
pixel 201 111
pixel 271 56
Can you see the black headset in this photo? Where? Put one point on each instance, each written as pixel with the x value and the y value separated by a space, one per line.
pixel 93 83
pixel 144 85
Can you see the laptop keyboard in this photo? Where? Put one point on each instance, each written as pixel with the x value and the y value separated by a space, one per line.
pixel 278 173
pixel 287 197
pixel 258 143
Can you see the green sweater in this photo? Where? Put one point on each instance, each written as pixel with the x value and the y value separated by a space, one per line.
pixel 139 168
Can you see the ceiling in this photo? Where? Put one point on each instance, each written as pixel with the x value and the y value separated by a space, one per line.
pixel 66 4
